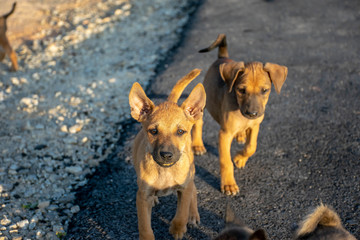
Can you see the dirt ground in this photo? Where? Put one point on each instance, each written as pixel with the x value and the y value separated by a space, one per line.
pixel 32 18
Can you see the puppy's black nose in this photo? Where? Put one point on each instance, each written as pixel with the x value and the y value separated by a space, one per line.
pixel 166 155
pixel 251 114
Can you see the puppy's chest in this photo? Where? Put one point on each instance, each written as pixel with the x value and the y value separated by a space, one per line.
pixel 167 191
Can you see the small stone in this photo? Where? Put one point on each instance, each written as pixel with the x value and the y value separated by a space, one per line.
pixel 74 170
pixel 43 204
pixel 36 76
pixel 17 238
pixel 13 231
pixel 23 80
pixel 53 207
pixel 23 224
pixel 32 225
pixel 75 209
pixel 5 221
pixel 58 229
pixel 76 128
pixel 34 219
pixel 13 226
pixel 39 234
pixel 14 167
pixel 51 236
pixel 4 238
pixel 15 81
pixel 64 128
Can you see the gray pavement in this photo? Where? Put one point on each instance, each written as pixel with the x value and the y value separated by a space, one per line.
pixel 309 142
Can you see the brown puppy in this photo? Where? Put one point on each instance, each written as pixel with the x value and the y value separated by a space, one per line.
pixel 5 47
pixel 163 158
pixel 322 224
pixel 237 94
pixel 236 230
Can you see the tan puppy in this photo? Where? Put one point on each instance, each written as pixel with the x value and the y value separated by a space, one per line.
pixel 237 94
pixel 322 224
pixel 236 230
pixel 5 47
pixel 162 154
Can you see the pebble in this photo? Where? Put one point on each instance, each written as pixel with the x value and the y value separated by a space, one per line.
pixel 43 204
pixel 5 221
pixel 75 209
pixel 74 170
pixel 23 223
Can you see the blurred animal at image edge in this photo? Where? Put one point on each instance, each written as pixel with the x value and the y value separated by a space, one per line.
pixel 163 156
pixel 235 229
pixel 237 94
pixel 322 224
pixel 5 47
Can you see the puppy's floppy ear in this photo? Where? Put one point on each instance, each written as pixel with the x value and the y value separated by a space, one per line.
pixel 194 105
pixel 277 75
pixel 141 106
pixel 230 71
pixel 259 234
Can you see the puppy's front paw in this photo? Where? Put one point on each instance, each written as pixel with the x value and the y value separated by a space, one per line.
pixel 199 150
pixel 240 160
pixel 177 229
pixel 229 187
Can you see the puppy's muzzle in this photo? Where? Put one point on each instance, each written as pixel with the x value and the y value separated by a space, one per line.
pixel 166 158
pixel 250 114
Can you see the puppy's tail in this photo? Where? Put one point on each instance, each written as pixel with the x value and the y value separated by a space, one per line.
pixel 221 43
pixel 323 216
pixel 181 85
pixel 11 12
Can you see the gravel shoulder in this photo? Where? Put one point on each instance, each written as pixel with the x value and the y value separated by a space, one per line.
pixel 61 113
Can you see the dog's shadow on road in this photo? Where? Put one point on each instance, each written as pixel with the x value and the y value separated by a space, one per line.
pixel 163 213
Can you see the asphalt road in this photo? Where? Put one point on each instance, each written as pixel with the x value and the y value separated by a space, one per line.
pixel 309 142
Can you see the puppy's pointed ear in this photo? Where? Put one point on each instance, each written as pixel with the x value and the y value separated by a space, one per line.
pixel 194 105
pixel 259 234
pixel 141 106
pixel 277 75
pixel 230 71
pixel 231 218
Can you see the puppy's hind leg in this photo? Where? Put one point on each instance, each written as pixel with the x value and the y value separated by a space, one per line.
pixel 197 142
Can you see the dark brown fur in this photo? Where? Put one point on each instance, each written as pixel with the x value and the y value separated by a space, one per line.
pixel 237 94
pixel 5 47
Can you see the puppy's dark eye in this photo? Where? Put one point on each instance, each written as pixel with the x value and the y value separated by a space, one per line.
pixel 241 90
pixel 264 90
pixel 180 132
pixel 153 131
